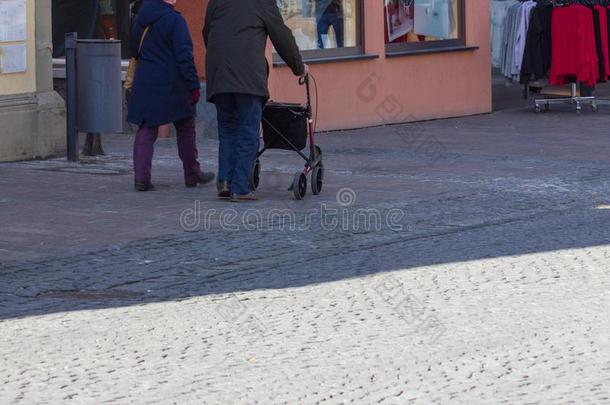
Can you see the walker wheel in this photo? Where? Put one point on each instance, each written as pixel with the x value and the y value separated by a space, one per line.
pixel 255 175
pixel 317 179
pixel 318 151
pixel 299 186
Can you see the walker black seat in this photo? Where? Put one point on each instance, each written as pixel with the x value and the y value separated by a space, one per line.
pixel 285 126
pixel 290 126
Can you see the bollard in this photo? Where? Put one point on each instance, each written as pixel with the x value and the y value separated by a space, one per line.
pixel 71 95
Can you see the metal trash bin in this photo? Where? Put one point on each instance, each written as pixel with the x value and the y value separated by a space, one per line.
pixel 99 86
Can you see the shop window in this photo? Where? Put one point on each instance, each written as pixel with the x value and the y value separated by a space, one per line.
pixel 423 24
pixel 324 28
pixel 91 19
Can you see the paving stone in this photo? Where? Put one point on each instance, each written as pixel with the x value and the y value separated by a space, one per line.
pixel 491 286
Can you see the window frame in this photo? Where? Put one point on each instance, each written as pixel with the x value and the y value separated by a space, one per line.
pixel 59 63
pixel 440 45
pixel 339 53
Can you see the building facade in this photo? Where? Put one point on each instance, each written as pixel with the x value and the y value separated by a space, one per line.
pixel 374 62
pixel 395 61
pixel 32 115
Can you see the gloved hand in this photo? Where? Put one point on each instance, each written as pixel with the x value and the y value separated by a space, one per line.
pixel 195 96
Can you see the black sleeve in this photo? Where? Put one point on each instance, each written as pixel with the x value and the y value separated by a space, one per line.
pixel 281 37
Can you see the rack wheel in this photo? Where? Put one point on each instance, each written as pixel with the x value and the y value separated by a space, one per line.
pixel 537 108
pixel 255 175
pixel 299 186
pixel 317 179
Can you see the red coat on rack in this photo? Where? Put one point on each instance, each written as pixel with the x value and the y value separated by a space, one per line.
pixel 573 54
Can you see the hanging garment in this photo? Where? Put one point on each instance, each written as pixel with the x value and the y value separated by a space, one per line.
pixel 523 25
pixel 573 53
pixel 508 39
pixel 537 54
pixel 514 38
pixel 603 24
pixel 601 72
pixel 499 11
pixel 608 20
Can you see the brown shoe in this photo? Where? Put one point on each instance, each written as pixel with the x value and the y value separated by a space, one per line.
pixel 224 189
pixel 243 197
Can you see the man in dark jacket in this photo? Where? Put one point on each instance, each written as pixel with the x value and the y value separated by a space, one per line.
pixel 235 34
pixel 165 89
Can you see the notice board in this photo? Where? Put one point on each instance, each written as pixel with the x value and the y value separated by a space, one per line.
pixel 13 36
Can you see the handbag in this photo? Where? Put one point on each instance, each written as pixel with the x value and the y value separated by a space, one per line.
pixel 133 64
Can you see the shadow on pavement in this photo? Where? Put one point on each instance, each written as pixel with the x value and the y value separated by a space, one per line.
pixel 505 185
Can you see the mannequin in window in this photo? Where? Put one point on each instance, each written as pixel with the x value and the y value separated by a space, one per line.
pixel 78 16
pixel 108 20
pixel 329 13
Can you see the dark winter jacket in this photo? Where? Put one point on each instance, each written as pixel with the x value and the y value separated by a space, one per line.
pixel 236 34
pixel 166 73
pixel 537 54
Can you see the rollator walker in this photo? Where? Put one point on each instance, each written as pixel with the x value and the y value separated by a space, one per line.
pixel 288 126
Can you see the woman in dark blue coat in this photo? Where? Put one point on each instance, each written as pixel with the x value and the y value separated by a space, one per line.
pixel 165 89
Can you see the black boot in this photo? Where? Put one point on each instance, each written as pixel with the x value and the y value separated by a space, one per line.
pixel 144 186
pixel 203 178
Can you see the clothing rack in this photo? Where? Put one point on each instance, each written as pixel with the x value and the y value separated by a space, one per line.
pixel 574 98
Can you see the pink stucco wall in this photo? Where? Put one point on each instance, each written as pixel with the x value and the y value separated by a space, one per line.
pixel 381 91
pixel 194 13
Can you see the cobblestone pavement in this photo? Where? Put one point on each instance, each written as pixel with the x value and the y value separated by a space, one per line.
pixel 471 267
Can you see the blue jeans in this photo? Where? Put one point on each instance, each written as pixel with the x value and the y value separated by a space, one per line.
pixel 331 18
pixel 239 120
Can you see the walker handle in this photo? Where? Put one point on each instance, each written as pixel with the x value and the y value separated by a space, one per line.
pixel 304 80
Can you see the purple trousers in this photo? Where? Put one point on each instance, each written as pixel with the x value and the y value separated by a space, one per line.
pixel 144 146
